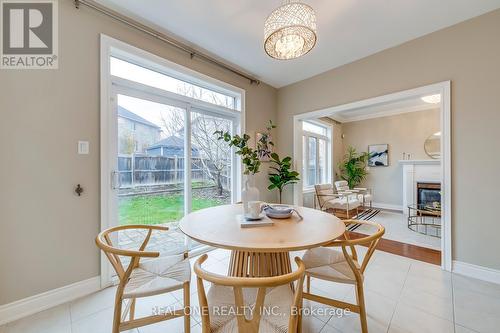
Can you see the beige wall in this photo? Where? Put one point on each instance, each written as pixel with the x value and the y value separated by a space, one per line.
pixel 467 54
pixel 46 238
pixel 47 233
pixel 404 133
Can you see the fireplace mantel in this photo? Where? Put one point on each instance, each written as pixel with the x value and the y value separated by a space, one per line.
pixel 420 162
pixel 417 171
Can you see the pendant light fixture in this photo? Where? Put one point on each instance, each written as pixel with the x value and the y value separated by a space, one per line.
pixel 290 31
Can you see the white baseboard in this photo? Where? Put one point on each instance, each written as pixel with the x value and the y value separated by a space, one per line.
pixel 33 304
pixel 477 272
pixel 387 206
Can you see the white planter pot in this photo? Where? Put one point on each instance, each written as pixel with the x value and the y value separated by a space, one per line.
pixel 249 192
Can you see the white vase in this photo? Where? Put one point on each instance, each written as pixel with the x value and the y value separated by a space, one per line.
pixel 249 192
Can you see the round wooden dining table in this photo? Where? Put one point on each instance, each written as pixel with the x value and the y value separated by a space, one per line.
pixel 264 250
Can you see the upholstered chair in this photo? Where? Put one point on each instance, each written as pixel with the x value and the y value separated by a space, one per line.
pixel 327 199
pixel 363 194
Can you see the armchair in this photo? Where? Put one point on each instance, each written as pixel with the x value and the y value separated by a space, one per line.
pixel 363 194
pixel 342 201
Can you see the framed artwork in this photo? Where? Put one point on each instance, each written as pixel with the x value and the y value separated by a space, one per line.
pixel 379 155
pixel 263 146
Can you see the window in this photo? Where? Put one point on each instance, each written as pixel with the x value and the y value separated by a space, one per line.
pixel 161 158
pixel 316 154
pixel 133 72
pixel 155 164
pixel 313 128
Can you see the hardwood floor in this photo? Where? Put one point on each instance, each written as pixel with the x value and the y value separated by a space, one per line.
pixel 406 250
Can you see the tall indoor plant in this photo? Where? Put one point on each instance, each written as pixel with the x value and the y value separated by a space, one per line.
pixel 282 174
pixel 353 167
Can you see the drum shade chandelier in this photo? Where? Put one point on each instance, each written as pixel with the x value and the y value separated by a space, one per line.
pixel 290 31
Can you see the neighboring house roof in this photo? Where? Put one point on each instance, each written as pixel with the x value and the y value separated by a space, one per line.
pixel 124 113
pixel 171 142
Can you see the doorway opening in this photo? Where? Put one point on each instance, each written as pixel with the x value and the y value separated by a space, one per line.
pixel 407 187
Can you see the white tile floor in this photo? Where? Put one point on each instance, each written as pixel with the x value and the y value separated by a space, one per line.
pixel 396 228
pixel 402 296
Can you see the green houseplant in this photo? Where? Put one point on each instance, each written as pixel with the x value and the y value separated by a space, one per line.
pixel 250 157
pixel 282 174
pixel 353 167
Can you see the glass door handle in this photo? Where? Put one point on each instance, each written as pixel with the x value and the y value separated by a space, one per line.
pixel 116 181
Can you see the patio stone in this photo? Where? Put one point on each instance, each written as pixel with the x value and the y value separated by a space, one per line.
pixel 166 242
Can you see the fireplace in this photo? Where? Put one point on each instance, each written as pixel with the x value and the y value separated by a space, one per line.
pixel 421 172
pixel 429 194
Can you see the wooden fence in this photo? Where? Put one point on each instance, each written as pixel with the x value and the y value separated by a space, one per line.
pixel 143 170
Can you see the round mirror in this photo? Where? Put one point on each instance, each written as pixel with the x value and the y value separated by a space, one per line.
pixel 432 146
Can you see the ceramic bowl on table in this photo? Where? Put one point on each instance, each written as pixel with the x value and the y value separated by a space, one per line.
pixel 278 211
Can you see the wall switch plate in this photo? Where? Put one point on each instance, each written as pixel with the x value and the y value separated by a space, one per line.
pixel 83 147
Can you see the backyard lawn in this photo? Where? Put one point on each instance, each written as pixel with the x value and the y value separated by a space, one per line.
pixel 157 209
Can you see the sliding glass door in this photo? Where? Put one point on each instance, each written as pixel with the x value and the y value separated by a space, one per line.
pixel 148 178
pixel 167 162
pixel 211 161
pixel 159 157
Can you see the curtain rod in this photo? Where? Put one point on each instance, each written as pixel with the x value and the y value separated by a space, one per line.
pixel 164 38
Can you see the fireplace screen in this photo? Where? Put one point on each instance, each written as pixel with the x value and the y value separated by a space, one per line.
pixel 429 194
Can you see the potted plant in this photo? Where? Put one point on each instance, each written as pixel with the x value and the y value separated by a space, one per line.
pixel 353 167
pixel 250 158
pixel 282 174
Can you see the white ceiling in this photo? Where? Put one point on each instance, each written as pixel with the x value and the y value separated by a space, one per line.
pixel 348 30
pixel 382 110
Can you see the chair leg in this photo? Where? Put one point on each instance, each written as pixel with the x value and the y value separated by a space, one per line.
pixel 362 309
pixel 299 318
pixel 187 309
pixel 132 309
pixel 308 283
pixel 117 314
